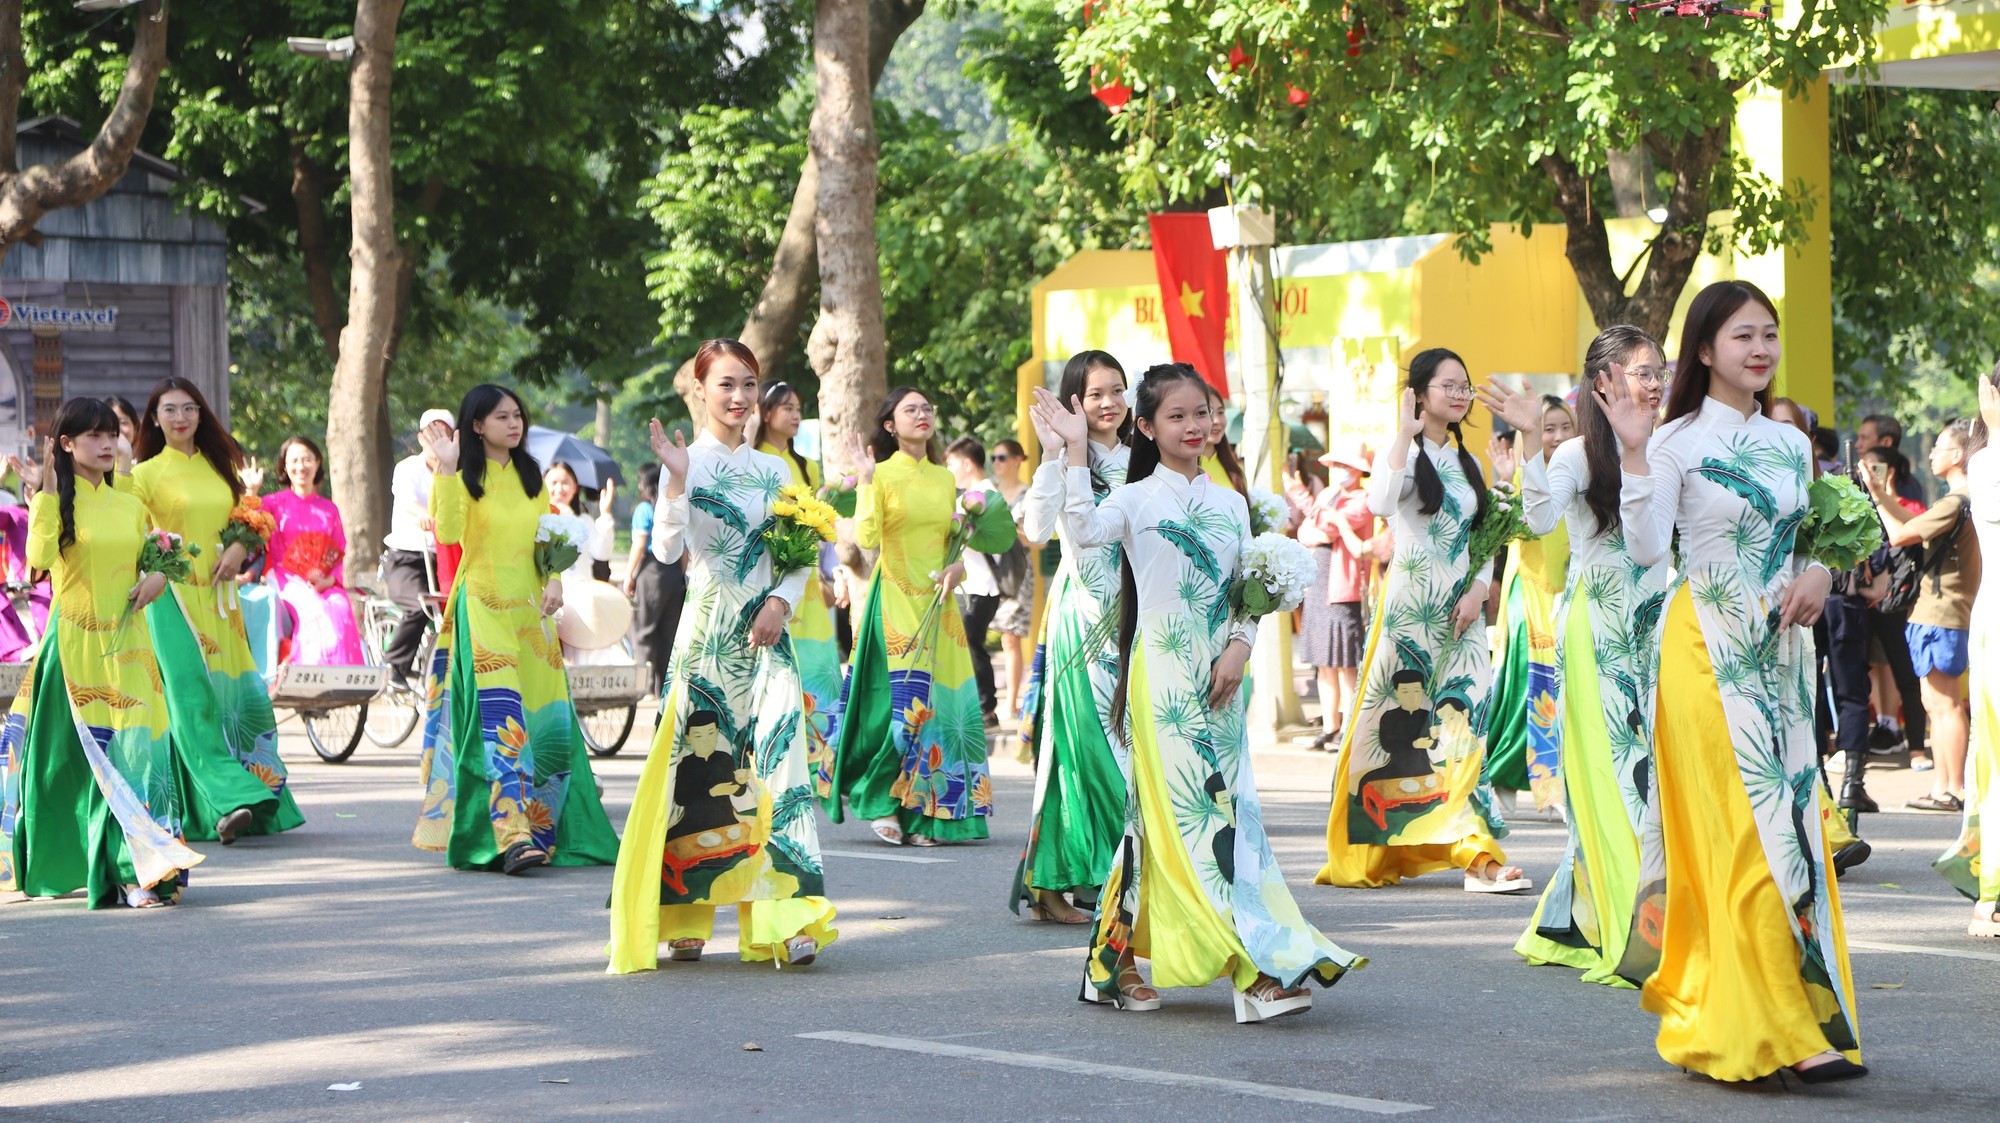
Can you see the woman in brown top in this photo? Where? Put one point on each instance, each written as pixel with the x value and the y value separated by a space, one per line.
pixel 1938 624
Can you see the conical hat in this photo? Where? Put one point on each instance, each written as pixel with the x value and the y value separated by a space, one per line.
pixel 595 615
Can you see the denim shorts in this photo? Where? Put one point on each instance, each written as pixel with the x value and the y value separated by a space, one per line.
pixel 1943 650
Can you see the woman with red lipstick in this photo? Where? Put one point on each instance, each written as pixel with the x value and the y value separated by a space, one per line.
pixel 225 736
pixel 507 783
pixel 912 753
pixel 1409 793
pixel 1607 654
pixel 1080 764
pixel 1741 949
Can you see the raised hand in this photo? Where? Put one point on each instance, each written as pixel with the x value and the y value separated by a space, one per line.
pixel 251 475
pixel 1500 453
pixel 1989 405
pixel 672 451
pixel 442 444
pixel 1631 421
pixel 606 494
pixel 861 459
pixel 1522 411
pixel 1412 421
pixel 1066 422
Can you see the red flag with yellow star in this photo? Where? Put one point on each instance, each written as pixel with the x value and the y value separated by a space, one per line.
pixel 1194 292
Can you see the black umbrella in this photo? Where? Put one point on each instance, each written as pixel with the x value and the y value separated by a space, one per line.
pixel 592 463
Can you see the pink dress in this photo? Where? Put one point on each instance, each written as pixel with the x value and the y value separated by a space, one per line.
pixel 310 540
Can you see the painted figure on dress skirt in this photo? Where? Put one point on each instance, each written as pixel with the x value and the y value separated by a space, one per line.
pixel 1406 783
pixel 706 786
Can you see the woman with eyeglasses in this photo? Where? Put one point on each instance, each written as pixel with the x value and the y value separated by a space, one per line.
pixel 1520 737
pixel 814 643
pixel 1080 764
pixel 1741 949
pixel 912 752
pixel 1608 653
pixel 1409 793
pixel 225 736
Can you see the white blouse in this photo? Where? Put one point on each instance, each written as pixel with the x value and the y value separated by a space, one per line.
pixel 1042 504
pixel 720 517
pixel 1183 538
pixel 1552 493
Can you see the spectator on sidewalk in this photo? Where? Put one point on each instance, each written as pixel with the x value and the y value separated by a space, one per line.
pixel 979 593
pixel 1899 715
pixel 1939 623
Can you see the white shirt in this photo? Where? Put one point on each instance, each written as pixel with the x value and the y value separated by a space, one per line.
pixel 1556 492
pixel 735 489
pixel 979 580
pixel 410 500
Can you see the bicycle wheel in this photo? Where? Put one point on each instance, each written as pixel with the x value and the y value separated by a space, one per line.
pixel 335 733
pixel 605 731
pixel 392 717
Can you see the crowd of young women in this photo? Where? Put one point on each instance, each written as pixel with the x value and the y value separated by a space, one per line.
pixel 1699 868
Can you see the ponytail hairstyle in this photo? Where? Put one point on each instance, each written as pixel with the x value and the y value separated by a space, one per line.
pixel 771 397
pixel 1076 375
pixel 1707 315
pixel 1225 453
pixel 77 417
pixel 1153 386
pixel 882 443
pixel 1430 487
pixel 479 404
pixel 1602 453
pixel 211 440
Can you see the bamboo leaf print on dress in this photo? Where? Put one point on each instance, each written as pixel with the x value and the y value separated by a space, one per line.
pixel 715 504
pixel 1188 541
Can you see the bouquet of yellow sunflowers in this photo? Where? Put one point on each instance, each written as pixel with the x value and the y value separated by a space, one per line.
pixel 800 521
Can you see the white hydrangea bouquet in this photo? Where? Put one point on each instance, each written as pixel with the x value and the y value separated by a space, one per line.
pixel 1273 575
pixel 1268 512
pixel 559 542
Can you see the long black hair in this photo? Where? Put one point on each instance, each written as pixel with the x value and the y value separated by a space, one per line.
pixel 883 444
pixel 1076 376
pixel 1225 453
pixel 77 417
pixel 479 404
pixel 211 440
pixel 771 397
pixel 1707 315
pixel 1430 488
pixel 1602 451
pixel 1153 386
pixel 580 503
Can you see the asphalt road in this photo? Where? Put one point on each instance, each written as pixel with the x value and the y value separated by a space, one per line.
pixel 338 955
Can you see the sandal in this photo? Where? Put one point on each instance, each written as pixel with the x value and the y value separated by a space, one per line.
pixel 1936 803
pixel 922 840
pixel 1051 908
pixel 1500 879
pixel 800 951
pixel 522 857
pixel 1265 1000
pixel 685 951
pixel 1132 993
pixel 144 898
pixel 1984 922
pixel 889 830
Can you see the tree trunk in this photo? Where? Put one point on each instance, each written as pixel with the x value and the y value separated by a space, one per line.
pixel 843 144
pixel 315 253
pixel 773 323
pixel 1670 258
pixel 357 442
pixel 25 196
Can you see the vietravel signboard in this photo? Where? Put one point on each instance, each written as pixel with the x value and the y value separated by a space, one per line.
pixel 57 316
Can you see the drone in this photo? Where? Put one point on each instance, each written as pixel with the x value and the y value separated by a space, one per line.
pixel 1704 10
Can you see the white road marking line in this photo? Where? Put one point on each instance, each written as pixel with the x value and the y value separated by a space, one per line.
pixel 911 858
pixel 1119 1072
pixel 1948 953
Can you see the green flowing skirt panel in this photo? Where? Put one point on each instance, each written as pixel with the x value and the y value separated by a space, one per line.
pixel 1080 770
pixel 85 806
pixel 1584 917
pixel 211 715
pixel 816 649
pixel 504 762
pixel 912 736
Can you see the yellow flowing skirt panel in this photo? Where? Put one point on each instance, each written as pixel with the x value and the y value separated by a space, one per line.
pixel 1727 990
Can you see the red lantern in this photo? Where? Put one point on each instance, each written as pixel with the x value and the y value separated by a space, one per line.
pixel 1296 96
pixel 1238 59
pixel 1114 94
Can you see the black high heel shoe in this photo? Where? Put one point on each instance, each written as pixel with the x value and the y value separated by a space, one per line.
pixel 1828 1072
